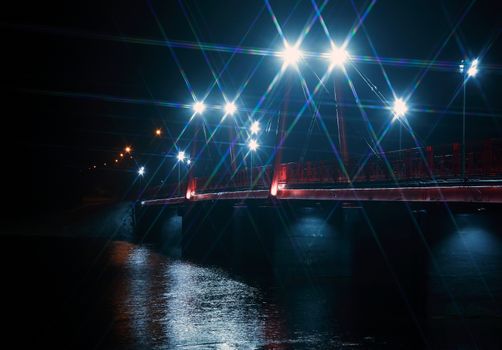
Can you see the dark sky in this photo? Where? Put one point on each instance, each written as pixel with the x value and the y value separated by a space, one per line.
pixel 87 78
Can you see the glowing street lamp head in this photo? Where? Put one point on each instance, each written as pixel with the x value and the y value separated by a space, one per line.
pixel 337 57
pixel 158 132
pixel 291 55
pixel 255 127
pixel 199 107
pixel 128 149
pixel 253 145
pixel 230 108
pixel 181 156
pixel 399 108
pixel 473 69
pixel 141 171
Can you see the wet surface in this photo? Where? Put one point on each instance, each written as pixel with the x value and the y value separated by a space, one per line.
pixel 97 293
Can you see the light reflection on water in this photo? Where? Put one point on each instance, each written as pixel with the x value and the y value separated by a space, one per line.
pixel 85 293
pixel 166 304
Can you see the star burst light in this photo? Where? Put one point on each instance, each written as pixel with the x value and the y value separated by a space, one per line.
pixel 473 69
pixel 255 127
pixel 253 145
pixel 199 107
pixel 399 108
pixel 230 108
pixel 181 156
pixel 337 57
pixel 291 55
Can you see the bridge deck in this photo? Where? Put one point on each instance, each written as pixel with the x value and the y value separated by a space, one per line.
pixel 467 194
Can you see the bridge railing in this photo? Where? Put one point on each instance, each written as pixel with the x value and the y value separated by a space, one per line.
pixel 483 160
pixel 251 178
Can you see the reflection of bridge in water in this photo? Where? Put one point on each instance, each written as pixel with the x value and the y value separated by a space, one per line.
pixel 418 174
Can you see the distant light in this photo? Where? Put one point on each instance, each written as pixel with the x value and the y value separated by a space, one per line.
pixel 141 171
pixel 291 55
pixel 230 108
pixel 142 202
pixel 189 161
pixel 121 154
pixel 253 145
pixel 255 127
pixel 116 160
pixel 199 107
pixel 158 132
pixel 181 156
pixel 399 108
pixel 128 149
pixel 473 69
pixel 337 57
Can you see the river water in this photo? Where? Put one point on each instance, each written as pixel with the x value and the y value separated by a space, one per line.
pixel 100 293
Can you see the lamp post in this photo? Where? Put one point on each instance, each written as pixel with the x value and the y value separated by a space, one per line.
pixel 470 73
pixel 181 158
pixel 253 146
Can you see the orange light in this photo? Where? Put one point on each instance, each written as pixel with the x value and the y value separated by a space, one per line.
pixel 121 154
pixel 116 160
pixel 158 132
pixel 127 149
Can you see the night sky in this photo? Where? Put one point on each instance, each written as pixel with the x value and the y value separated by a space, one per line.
pixel 85 79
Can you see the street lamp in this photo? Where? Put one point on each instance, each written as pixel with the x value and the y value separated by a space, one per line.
pixel 471 72
pixel 253 146
pixel 473 69
pixel 141 171
pixel 255 127
pixel 181 156
pixel 291 55
pixel 158 132
pixel 230 108
pixel 337 57
pixel 399 108
pixel 199 107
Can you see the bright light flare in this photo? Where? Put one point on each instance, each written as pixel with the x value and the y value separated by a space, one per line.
pixel 473 69
pixel 181 156
pixel 337 57
pixel 291 55
pixel 141 171
pixel 253 145
pixel 199 107
pixel 158 132
pixel 255 127
pixel 399 108
pixel 128 149
pixel 230 108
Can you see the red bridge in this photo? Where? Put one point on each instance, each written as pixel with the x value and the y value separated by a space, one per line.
pixel 429 174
